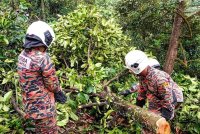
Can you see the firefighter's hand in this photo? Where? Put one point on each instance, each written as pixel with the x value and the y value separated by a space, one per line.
pixel 60 97
pixel 167 114
pixel 125 92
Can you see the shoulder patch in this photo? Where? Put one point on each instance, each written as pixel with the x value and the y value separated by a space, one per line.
pixel 24 61
pixel 165 84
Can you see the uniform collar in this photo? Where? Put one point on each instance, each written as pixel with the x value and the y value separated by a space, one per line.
pixel 150 70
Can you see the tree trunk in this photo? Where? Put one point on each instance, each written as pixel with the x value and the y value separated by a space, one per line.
pixel 14 4
pixel 43 10
pixel 150 120
pixel 173 44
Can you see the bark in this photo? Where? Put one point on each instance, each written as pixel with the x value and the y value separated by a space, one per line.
pixel 43 10
pixel 173 44
pixel 150 120
pixel 93 104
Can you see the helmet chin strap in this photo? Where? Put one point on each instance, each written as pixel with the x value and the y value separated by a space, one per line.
pixel 144 72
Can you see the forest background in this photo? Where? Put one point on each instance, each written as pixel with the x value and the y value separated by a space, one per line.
pixel 92 38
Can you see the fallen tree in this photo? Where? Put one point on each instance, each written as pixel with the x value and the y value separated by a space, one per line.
pixel 150 120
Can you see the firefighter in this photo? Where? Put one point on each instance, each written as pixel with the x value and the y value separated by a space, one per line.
pixel 39 83
pixel 156 85
pixel 153 63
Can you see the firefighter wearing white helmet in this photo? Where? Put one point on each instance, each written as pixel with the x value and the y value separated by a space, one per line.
pixel 136 61
pixel 155 85
pixel 38 80
pixel 152 63
pixel 39 33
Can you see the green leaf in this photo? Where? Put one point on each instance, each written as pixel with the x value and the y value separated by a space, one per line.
pixel 98 64
pixel 9 60
pixel 198 115
pixel 58 112
pixel 89 89
pixel 1 119
pixel 1 99
pixel 194 107
pixel 84 65
pixel 4 40
pixel 6 108
pixel 108 113
pixel 1 105
pixel 62 122
pixel 4 129
pixel 73 116
pixel 72 104
pixel 20 131
pixel 5 80
pixel 82 98
pixel 7 96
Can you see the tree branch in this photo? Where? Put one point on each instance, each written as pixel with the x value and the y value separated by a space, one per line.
pixel 65 62
pixel 20 112
pixel 181 62
pixel 186 21
pixel 184 55
pixel 191 16
pixel 93 104
pixel 120 74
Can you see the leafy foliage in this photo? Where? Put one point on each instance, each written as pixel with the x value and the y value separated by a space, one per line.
pixel 89 49
pixel 91 46
pixel 9 122
pixel 188 118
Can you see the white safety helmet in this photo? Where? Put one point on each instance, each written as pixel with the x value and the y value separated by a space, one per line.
pixel 136 61
pixel 41 30
pixel 154 63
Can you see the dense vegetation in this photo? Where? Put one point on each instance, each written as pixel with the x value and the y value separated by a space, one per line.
pixel 92 38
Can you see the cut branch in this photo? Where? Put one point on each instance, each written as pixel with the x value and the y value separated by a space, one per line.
pixel 71 89
pixel 93 104
pixel 89 55
pixel 120 74
pixel 19 111
pixel 64 77
pixel 65 62
pixel 89 49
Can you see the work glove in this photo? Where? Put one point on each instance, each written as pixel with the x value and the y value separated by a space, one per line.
pixel 140 103
pixel 167 114
pixel 125 92
pixel 129 91
pixel 60 97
